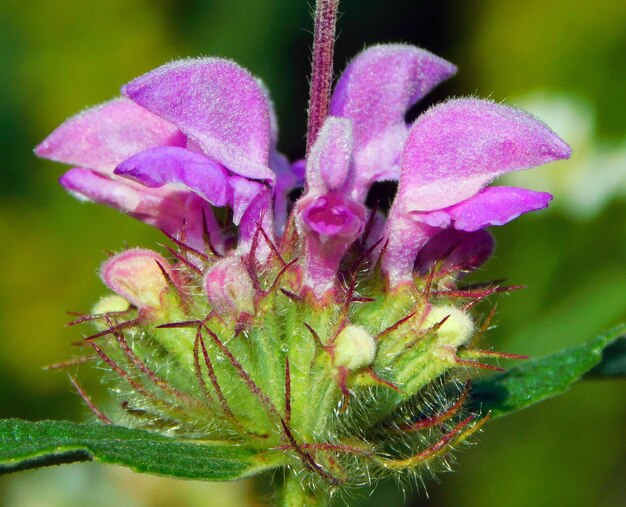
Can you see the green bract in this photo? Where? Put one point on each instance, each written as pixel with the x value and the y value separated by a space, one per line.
pixel 343 389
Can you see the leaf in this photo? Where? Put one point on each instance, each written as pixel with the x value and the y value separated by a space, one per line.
pixel 539 379
pixel 613 362
pixel 25 445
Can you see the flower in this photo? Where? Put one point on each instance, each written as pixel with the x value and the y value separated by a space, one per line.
pixel 198 134
pixel 172 150
pixel 314 332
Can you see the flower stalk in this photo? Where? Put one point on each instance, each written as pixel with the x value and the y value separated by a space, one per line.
pixel 322 67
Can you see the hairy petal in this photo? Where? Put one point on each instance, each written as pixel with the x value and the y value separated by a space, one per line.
pixel 375 92
pixel 329 224
pixel 244 193
pixel 328 165
pixel 103 136
pixel 382 83
pixel 379 160
pixel 288 178
pixel 491 206
pixel 154 206
pixel 457 147
pixel 456 250
pixel 404 239
pixel 453 150
pixel 218 104
pixel 178 166
pixel 258 213
pixel 165 208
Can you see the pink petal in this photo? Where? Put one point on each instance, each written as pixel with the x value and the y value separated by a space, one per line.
pixel 218 104
pixel 229 288
pixel 378 160
pixel 329 224
pixel 103 136
pixel 167 209
pixel 457 250
pixel 454 150
pixel 404 237
pixel 154 206
pixel 244 192
pixel 457 147
pixel 258 213
pixel 170 165
pixel 331 215
pixel 375 92
pixel 491 206
pixel 288 178
pixel 382 83
pixel 328 164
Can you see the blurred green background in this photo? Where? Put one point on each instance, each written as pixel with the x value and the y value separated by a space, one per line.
pixel 562 59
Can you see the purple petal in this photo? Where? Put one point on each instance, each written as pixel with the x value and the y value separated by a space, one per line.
pixel 331 215
pixel 299 169
pixel 170 165
pixel 452 151
pixel 244 192
pixel 257 214
pixel 103 136
pixel 329 162
pixel 375 92
pixel 329 224
pixel 218 104
pixel 382 83
pixel 379 160
pixel 491 206
pixel 457 250
pixel 456 148
pixel 163 208
pixel 153 206
pixel 288 178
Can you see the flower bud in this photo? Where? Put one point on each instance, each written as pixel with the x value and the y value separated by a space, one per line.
pixel 110 303
pixel 229 288
pixel 354 348
pixel 136 275
pixel 457 328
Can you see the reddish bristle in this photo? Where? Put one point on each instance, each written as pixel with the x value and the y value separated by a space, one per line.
pixel 206 236
pixel 186 262
pixel 441 418
pixel 394 326
pixel 92 406
pixel 183 246
pixel 69 363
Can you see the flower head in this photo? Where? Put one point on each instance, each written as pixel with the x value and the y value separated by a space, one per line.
pixel 319 328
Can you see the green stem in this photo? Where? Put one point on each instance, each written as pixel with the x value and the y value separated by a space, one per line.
pixel 293 493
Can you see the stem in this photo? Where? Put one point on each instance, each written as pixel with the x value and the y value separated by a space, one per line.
pixel 322 67
pixel 294 494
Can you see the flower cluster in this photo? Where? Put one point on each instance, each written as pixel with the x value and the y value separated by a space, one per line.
pixel 319 330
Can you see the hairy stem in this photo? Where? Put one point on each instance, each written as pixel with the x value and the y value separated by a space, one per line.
pixel 294 494
pixel 322 67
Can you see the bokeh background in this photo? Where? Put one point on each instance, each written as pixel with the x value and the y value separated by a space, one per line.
pixel 562 59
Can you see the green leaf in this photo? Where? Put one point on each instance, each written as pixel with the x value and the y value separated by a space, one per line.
pixel 25 444
pixel 613 362
pixel 539 379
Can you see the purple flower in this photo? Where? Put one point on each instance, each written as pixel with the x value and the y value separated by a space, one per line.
pixel 194 134
pixel 200 134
